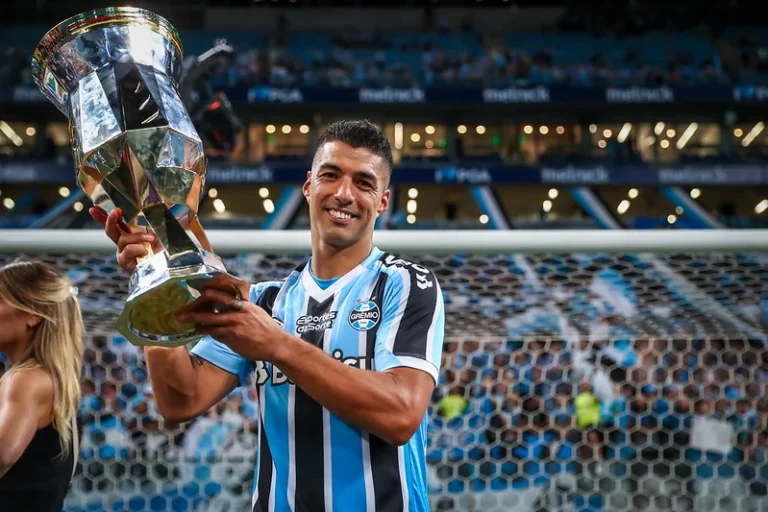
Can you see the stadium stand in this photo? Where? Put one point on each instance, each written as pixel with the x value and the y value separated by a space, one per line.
pixel 467 57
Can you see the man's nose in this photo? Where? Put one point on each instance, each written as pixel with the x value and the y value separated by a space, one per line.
pixel 344 191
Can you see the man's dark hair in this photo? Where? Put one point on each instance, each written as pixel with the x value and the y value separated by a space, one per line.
pixel 359 134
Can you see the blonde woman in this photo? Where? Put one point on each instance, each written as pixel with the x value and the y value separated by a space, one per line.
pixel 41 334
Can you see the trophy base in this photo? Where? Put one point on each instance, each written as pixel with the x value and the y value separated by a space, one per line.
pixel 157 292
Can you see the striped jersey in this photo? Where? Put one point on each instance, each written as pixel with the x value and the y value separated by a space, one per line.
pixel 385 313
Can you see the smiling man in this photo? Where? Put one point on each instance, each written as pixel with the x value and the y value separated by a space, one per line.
pixel 345 351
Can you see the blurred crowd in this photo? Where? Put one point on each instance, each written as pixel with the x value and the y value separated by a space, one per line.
pixel 463 59
pixel 586 367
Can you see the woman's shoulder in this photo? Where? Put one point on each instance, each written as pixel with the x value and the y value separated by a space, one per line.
pixel 30 384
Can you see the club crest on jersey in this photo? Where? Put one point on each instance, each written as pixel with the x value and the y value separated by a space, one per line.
pixel 365 315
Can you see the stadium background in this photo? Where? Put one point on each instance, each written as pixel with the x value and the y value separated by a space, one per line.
pixel 582 382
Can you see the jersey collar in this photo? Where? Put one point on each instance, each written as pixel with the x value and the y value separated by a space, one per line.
pixel 319 294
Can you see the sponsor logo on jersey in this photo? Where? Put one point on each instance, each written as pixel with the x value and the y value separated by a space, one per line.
pixel 309 323
pixel 365 315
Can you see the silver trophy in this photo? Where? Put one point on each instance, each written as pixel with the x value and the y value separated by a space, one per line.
pixel 115 73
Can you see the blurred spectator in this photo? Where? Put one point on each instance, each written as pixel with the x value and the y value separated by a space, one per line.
pixel 587 406
pixel 453 404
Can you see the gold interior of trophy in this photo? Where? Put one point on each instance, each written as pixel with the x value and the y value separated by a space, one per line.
pixel 155 312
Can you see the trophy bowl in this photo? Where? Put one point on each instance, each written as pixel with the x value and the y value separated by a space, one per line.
pixel 114 73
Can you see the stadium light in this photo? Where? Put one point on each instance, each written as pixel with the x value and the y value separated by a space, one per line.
pixel 270 128
pixel 671 219
pixel 623 207
pixel 738 132
pixel 553 193
pixel 429 129
pixel 593 128
pixel 304 129
pixel 679 210
pixel 547 206
pixel 543 130
pixel 671 133
pixel 11 134
pixel 753 133
pixel 480 129
pixel 412 206
pixel 264 192
pixel 413 193
pixel 415 137
pixel 560 130
pixel 695 193
pixel 31 131
pixel 658 128
pixel 633 193
pixel 686 136
pixel 761 206
pixel 9 203
pixel 219 206
pixel 607 133
pixel 212 193
pixel 398 135
pixel 624 132
pixel 528 129
pixel 461 129
pixel 64 192
pixel 78 206
pixel 664 144
pixel 269 206
pixel 286 129
pixel 411 219
pixel 601 144
pixel 483 219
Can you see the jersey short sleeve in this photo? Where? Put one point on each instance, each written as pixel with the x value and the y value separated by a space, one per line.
pixel 413 321
pixel 224 357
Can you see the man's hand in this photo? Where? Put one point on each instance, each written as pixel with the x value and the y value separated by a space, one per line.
pixel 130 245
pixel 224 312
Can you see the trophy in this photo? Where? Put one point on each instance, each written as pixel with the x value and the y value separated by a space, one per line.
pixel 115 73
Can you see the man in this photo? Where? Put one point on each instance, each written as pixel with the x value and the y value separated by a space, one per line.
pixel 345 351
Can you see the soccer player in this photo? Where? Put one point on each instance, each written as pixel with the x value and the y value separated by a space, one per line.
pixel 345 351
pixel 41 335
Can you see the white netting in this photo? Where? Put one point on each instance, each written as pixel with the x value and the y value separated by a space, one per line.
pixel 581 382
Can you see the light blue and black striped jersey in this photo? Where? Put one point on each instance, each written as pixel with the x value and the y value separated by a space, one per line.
pixel 385 313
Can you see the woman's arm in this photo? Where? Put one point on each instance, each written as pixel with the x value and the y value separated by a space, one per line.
pixel 25 397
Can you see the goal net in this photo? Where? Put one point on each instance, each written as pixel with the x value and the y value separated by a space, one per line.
pixel 580 372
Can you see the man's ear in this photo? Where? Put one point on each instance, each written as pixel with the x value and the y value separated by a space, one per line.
pixel 305 187
pixel 384 204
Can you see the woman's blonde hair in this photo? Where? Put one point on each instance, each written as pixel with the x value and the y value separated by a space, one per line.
pixel 57 344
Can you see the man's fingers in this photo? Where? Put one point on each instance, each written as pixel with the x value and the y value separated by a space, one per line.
pixel 228 284
pixel 205 319
pixel 207 301
pixel 99 215
pixel 128 239
pixel 131 253
pixel 113 226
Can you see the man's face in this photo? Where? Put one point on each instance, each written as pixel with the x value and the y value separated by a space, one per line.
pixel 346 192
